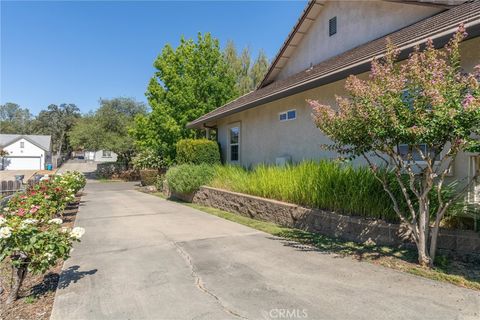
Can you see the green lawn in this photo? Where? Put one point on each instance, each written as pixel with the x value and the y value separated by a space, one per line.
pixel 464 274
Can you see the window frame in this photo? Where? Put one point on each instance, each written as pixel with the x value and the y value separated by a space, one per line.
pixel 22 144
pixel 105 155
pixel 238 143
pixel 286 115
pixel 421 161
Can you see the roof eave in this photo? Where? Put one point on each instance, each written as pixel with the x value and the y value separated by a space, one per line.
pixel 439 40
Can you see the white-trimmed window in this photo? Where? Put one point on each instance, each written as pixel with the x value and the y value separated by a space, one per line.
pixel 405 149
pixel 22 144
pixel 106 154
pixel 287 115
pixel 234 143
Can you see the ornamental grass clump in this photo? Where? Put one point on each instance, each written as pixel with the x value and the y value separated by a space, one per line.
pixel 324 185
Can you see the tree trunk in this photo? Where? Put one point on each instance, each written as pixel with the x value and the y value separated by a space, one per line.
pixel 18 277
pixel 423 226
pixel 59 150
pixel 433 241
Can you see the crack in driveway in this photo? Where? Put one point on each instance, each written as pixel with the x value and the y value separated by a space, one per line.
pixel 198 280
pixel 199 283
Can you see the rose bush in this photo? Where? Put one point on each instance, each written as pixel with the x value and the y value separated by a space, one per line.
pixel 41 201
pixel 72 180
pixel 32 238
pixel 31 245
pixel 35 206
pixel 57 194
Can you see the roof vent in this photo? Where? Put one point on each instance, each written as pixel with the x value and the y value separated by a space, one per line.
pixel 332 26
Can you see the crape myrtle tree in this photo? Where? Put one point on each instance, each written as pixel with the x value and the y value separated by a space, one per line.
pixel 429 106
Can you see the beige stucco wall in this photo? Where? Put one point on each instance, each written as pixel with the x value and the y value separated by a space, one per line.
pixel 357 23
pixel 264 138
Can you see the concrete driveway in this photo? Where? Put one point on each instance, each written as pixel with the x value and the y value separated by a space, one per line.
pixel 146 258
pixel 86 167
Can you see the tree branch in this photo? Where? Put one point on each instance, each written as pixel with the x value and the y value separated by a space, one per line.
pixel 392 197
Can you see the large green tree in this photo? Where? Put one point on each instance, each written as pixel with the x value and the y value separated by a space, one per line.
pixel 248 73
pixel 14 119
pixel 190 80
pixel 107 128
pixel 259 69
pixel 57 121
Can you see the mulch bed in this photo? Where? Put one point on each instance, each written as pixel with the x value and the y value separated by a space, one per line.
pixel 38 291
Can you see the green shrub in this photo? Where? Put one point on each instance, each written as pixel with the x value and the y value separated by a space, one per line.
pixel 188 178
pixel 108 170
pixel 127 175
pixel 148 159
pixel 197 151
pixel 148 177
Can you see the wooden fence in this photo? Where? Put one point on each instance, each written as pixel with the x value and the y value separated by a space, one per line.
pixel 9 187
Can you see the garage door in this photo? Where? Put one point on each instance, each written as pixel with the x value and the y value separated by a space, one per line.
pixel 22 163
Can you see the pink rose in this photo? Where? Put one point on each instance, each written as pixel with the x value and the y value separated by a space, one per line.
pixel 34 209
pixel 21 212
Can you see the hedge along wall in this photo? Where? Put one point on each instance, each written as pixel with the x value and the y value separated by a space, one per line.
pixel 197 151
pixel 458 242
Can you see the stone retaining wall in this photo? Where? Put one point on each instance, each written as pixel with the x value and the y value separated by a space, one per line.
pixel 459 242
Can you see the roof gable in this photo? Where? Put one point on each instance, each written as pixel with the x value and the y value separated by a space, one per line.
pixel 359 22
pixel 41 141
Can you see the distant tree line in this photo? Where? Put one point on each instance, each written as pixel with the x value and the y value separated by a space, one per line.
pixel 106 128
pixel 55 120
pixel 189 81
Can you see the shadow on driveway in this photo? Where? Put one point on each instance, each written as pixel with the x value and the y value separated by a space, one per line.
pixel 73 275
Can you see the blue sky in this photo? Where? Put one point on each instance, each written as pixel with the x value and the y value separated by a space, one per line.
pixel 80 51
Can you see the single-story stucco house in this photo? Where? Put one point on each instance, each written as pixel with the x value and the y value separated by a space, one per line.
pixel 101 156
pixel 25 152
pixel 95 156
pixel 330 41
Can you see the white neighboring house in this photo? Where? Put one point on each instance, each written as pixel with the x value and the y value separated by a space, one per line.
pixel 25 152
pixel 101 156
